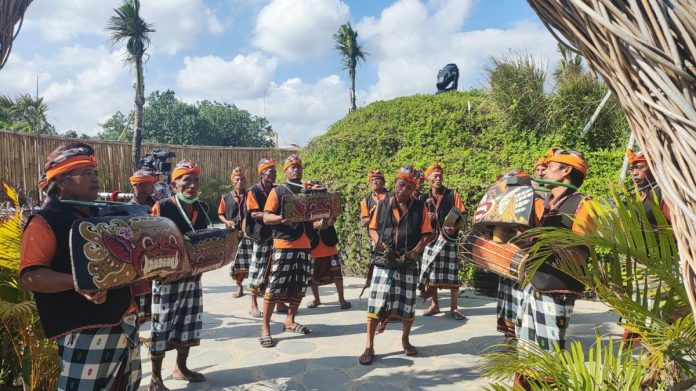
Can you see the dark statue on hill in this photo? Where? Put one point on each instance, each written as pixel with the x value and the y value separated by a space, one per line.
pixel 447 78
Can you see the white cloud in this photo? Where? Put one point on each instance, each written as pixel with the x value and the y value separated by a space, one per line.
pixel 85 85
pixel 294 30
pixel 178 23
pixel 298 110
pixel 411 41
pixel 214 78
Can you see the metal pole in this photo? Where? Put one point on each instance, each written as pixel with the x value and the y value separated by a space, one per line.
pixel 624 166
pixel 598 110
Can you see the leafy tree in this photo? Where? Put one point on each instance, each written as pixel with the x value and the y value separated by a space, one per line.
pixel 114 127
pixel 25 114
pixel 351 52
pixel 129 26
pixel 232 126
pixel 70 133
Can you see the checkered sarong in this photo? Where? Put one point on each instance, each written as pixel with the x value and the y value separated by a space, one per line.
pixel 144 303
pixel 259 267
pixel 543 317
pixel 290 271
pixel 508 301
pixel 325 270
pixel 177 315
pixel 393 294
pixel 440 267
pixel 91 359
pixel 242 260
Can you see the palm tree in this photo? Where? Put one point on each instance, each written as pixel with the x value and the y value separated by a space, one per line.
pixel 351 52
pixel 12 12
pixel 30 111
pixel 128 25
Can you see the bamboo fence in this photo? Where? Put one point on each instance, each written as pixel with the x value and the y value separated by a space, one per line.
pixel 19 161
pixel 645 50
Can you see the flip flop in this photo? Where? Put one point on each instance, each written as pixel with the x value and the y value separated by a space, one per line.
pixel 266 341
pixel 298 329
pixel 457 315
pixel 257 314
pixel 346 305
pixel 313 304
pixel 430 312
pixel 367 356
pixel 410 350
pixel 194 377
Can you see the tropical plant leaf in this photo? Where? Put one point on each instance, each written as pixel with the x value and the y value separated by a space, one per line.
pixel 11 217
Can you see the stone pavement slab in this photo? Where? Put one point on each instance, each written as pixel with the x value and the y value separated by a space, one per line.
pixel 448 350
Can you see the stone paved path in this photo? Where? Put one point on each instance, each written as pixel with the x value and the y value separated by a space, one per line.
pixel 449 350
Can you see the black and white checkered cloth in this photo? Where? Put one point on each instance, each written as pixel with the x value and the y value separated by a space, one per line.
pixel 144 303
pixel 242 259
pixel 290 272
pixel 439 266
pixel 393 294
pixel 258 267
pixel 177 314
pixel 508 302
pixel 326 270
pixel 91 359
pixel 543 317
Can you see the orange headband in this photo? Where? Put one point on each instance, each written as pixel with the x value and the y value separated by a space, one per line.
pixel 237 173
pixel 407 173
pixel 291 162
pixel 540 162
pixel 67 165
pixel 185 167
pixel 636 157
pixel 134 180
pixel 264 166
pixel 434 167
pixel 557 155
pixel 375 174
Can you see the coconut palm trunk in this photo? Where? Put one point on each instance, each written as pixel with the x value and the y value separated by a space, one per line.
pixel 138 115
pixel 351 74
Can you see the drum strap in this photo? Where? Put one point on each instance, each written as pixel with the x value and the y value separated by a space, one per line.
pixel 183 213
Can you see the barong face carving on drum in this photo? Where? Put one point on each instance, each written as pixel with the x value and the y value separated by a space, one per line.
pixel 506 204
pixel 109 252
pixel 310 207
pixel 210 249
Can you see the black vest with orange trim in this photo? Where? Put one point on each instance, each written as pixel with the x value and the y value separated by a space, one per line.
pixel 291 231
pixel 404 235
pixel 255 229
pixel 67 311
pixel 170 210
pixel 548 278
pixel 370 199
pixel 446 204
pixel 328 236
pixel 233 211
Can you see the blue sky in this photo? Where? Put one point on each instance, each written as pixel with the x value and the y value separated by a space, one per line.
pixel 270 57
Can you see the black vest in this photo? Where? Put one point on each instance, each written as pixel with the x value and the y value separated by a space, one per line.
pixel 328 236
pixel 370 201
pixel 257 230
pixel 441 212
pixel 67 311
pixel 170 210
pixel 407 232
pixel 233 211
pixel 291 231
pixel 547 277
pixel 654 194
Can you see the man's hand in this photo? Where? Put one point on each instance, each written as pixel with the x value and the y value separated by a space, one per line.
pixel 432 216
pixel 230 224
pixel 98 297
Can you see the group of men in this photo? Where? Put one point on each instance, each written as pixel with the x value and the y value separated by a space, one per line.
pixel 411 252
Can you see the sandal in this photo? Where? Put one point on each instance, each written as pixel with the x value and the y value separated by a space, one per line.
pixel 346 305
pixel 256 314
pixel 457 315
pixel 192 377
pixel 313 304
pixel 410 350
pixel 298 329
pixel 431 312
pixel 266 341
pixel 367 356
pixel 237 294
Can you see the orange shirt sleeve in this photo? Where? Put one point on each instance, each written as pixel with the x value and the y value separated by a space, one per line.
pixel 222 206
pixel 426 228
pixel 272 203
pixel 155 209
pixel 38 245
pixel 538 212
pixel 583 220
pixel 373 220
pixel 458 202
pixel 251 202
pixel 363 209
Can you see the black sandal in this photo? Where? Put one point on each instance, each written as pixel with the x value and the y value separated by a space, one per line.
pixel 367 356
pixel 266 341
pixel 298 329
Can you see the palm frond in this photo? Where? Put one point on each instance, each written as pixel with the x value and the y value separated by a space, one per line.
pixel 129 26
pixel 11 216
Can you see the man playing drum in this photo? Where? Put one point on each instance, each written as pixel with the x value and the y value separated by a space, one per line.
pixel 291 265
pixel 546 304
pixel 96 334
pixel 177 306
pixel 326 264
pixel 400 229
pixel 231 212
pixel 440 266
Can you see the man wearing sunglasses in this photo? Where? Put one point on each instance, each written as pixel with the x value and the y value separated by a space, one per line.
pixel 546 304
